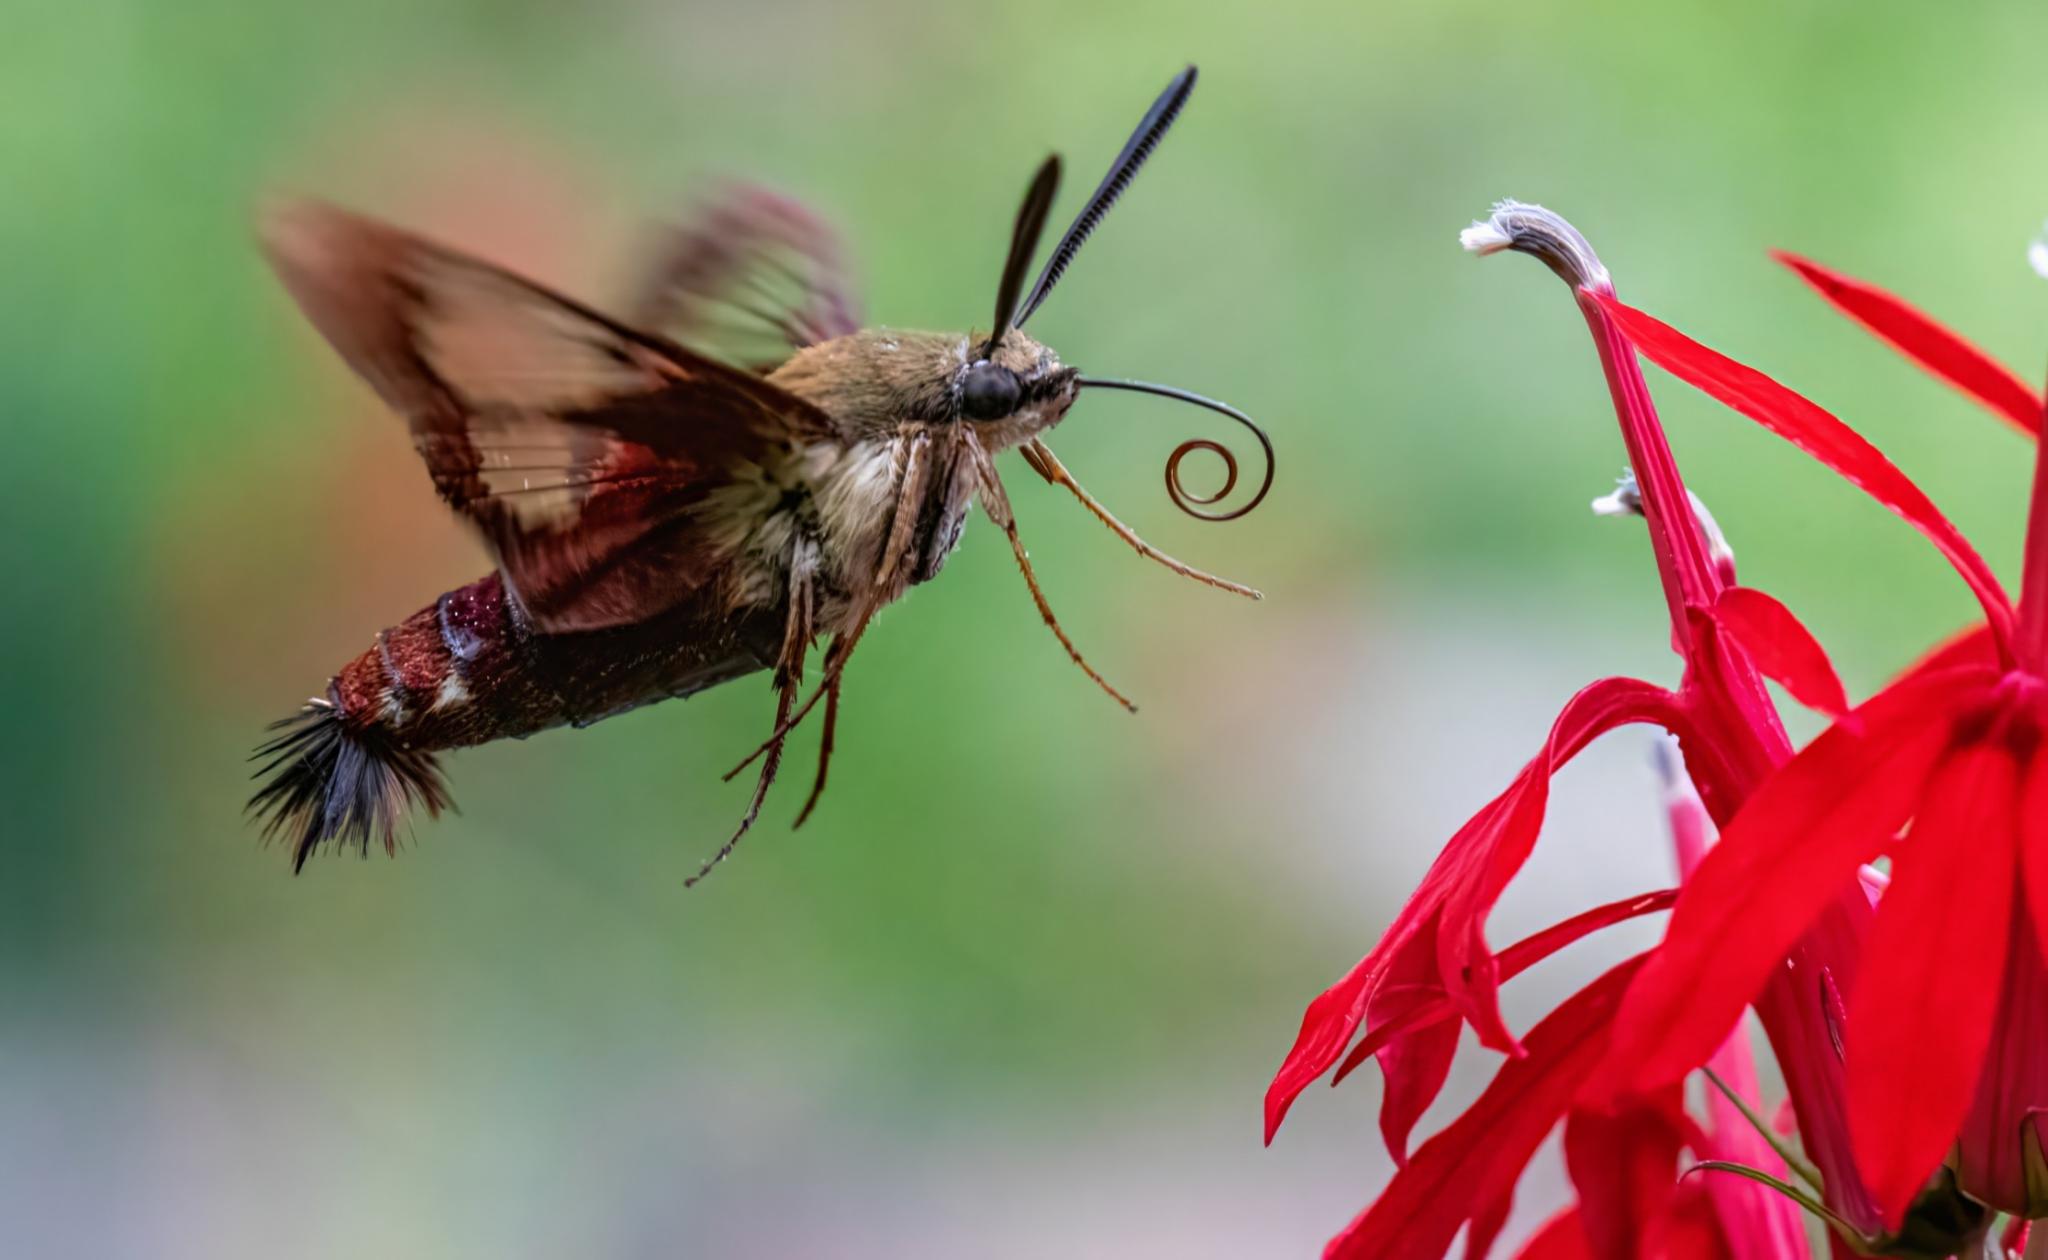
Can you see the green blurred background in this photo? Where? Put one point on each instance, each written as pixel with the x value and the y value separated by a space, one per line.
pixel 1017 989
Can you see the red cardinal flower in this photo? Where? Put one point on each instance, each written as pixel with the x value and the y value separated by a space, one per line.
pixel 1433 967
pixel 1946 771
pixel 1726 635
pixel 1624 1165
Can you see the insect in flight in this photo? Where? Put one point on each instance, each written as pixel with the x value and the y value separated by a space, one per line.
pixel 693 492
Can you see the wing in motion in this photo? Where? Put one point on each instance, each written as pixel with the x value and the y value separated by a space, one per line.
pixel 580 447
pixel 750 277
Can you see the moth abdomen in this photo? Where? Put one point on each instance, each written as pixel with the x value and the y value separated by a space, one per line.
pixel 468 669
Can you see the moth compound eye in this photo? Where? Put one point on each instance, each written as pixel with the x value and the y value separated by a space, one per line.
pixel 989 392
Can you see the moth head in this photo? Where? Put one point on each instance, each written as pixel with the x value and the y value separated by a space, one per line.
pixel 1016 388
pixel 1011 391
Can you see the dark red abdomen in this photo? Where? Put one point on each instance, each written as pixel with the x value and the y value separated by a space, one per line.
pixel 469 668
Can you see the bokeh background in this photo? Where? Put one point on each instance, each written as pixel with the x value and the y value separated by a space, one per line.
pixel 1017 989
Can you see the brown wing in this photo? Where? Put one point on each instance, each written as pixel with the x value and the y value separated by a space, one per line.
pixel 581 448
pixel 748 278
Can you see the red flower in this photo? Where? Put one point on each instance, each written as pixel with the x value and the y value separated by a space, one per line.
pixel 1624 1165
pixel 1721 711
pixel 1467 1173
pixel 1947 772
pixel 1433 966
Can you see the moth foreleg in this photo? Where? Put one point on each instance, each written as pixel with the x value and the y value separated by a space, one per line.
pixel 1040 457
pixel 996 503
pixel 902 536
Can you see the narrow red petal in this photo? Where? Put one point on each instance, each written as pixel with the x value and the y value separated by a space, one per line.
pixel 1916 335
pixel 1756 1222
pixel 1559 1238
pixel 1782 859
pixel 1413 1066
pixel 1430 1005
pixel 1334 1016
pixel 1624 1164
pixel 1464 962
pixel 1486 1224
pixel 1920 1018
pixel 1457 894
pixel 1818 433
pixel 1470 1169
pixel 1430 1008
pixel 1329 1021
pixel 1470 971
pixel 1530 950
pixel 1693 1230
pixel 1783 649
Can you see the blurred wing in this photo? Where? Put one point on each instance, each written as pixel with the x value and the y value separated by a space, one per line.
pixel 581 448
pixel 750 277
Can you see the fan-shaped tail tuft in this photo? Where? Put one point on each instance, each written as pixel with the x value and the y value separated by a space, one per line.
pixel 328 779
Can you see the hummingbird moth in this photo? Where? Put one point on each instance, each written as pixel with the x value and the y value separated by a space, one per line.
pixel 699 489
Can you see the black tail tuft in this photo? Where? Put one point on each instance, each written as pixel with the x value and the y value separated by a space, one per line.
pixel 327 779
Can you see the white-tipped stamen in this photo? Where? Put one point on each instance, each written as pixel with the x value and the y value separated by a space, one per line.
pixel 1484 238
pixel 1542 234
pixel 2037 253
pixel 1626 499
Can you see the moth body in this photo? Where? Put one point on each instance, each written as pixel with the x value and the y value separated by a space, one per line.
pixel 706 487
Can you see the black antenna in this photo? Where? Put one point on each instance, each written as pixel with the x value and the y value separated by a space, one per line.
pixel 1182 498
pixel 1023 245
pixel 1138 148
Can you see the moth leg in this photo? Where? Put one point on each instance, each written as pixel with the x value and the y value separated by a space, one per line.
pixel 834 669
pixel 824 748
pixel 789 679
pixel 1048 466
pixel 914 453
pixel 996 504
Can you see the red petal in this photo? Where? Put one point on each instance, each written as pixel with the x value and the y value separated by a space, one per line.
pixel 1920 1018
pixel 1559 1238
pixel 1413 1066
pixel 1432 1007
pixel 1756 1220
pixel 1917 336
pixel 1456 896
pixel 1470 972
pixel 1334 1015
pixel 1784 650
pixel 1470 1168
pixel 1694 1230
pixel 1624 1165
pixel 1465 964
pixel 1782 859
pixel 1818 433
pixel 1530 950
pixel 1427 1004
pixel 1486 1226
